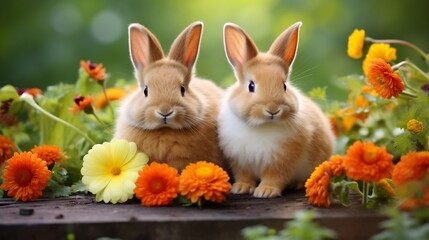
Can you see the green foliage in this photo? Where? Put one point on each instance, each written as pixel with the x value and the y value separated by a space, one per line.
pixel 46 119
pixel 302 227
pixel 402 225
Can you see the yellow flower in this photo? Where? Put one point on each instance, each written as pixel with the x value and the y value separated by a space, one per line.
pixel 415 126
pixel 112 94
pixel 110 170
pixel 378 50
pixel 356 43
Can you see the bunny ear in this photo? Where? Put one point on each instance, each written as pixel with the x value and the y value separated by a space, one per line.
pixel 286 45
pixel 186 46
pixel 144 46
pixel 239 47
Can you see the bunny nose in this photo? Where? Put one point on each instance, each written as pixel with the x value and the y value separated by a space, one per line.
pixel 272 113
pixel 165 115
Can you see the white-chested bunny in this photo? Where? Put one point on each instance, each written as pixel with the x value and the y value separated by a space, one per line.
pixel 269 131
pixel 172 116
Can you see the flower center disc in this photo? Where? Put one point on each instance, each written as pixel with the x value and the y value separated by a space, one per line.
pixel 23 176
pixel 204 172
pixel 157 186
pixel 116 171
pixel 370 156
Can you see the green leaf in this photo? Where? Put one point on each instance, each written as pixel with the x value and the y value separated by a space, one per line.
pixel 53 190
pixel 8 92
pixel 79 187
pixel 318 93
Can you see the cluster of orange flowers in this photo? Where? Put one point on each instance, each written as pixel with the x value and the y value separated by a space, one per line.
pixel 376 67
pixel 26 174
pixel 159 184
pixel 366 162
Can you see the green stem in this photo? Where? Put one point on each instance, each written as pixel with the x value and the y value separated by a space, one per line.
pixel 365 191
pixel 98 119
pixel 401 42
pixel 29 99
pixel 107 99
pixel 413 66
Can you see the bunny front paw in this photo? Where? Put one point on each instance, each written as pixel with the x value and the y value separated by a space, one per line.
pixel 267 192
pixel 242 188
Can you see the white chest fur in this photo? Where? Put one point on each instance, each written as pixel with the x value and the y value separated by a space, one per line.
pixel 252 146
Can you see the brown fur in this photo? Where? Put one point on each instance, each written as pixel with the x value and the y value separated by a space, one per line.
pixel 188 132
pixel 284 124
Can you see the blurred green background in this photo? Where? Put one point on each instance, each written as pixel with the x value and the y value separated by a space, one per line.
pixel 42 42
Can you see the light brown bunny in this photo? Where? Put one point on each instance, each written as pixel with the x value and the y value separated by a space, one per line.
pixel 268 130
pixel 172 115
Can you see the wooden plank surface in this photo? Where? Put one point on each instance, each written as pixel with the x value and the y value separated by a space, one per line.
pixel 86 219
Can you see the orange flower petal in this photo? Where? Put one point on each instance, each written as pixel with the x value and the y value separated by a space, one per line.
pixel 157 184
pixel 367 162
pixel 385 82
pixel 25 176
pixel 204 180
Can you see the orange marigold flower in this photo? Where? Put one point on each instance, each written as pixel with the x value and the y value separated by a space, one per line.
pixel 415 126
pixel 157 184
pixel 317 186
pixel 95 71
pixel 49 153
pixel 385 82
pixel 348 118
pixel 336 165
pixel 204 180
pixel 7 148
pixel 112 94
pixel 367 162
pixel 82 104
pixel 378 50
pixel 25 176
pixel 334 125
pixel 356 43
pixel 411 177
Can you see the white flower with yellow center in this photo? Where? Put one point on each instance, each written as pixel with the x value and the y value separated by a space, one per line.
pixel 110 170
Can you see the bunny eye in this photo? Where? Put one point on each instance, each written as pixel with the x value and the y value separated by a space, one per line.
pixel 251 86
pixel 284 86
pixel 182 90
pixel 145 91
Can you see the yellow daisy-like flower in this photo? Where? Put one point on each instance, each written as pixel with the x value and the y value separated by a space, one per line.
pixel 110 170
pixel 204 180
pixel 378 50
pixel 356 43
pixel 415 126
